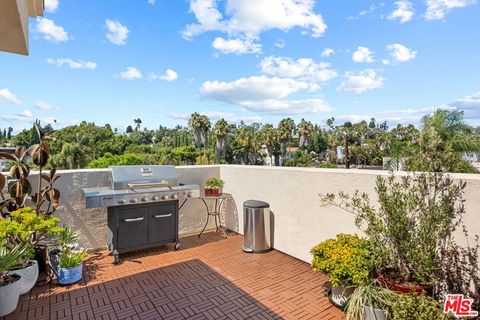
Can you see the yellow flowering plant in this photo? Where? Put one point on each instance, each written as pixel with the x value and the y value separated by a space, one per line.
pixel 346 260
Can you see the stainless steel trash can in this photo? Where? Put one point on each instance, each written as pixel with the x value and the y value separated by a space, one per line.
pixel 256 226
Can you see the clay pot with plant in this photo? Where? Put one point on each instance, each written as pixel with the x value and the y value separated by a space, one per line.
pixel 413 222
pixel 67 257
pixel 213 187
pixel 346 260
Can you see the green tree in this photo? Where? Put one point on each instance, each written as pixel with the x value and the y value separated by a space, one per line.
pixel 285 129
pixel 200 124
pixel 305 129
pixel 221 131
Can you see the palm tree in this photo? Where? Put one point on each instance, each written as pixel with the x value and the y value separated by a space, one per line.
pixel 243 138
pixel 270 139
pixel 199 124
pixel 285 128
pixel 138 123
pixel 443 139
pixel 221 131
pixel 305 129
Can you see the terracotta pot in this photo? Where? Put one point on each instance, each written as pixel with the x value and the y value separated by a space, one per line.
pixel 212 192
pixel 398 286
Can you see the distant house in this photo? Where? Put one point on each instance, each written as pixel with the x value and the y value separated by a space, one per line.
pixel 471 156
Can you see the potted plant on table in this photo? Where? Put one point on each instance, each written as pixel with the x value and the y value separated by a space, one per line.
pixel 25 228
pixel 67 257
pixel 213 187
pixel 9 283
pixel 347 262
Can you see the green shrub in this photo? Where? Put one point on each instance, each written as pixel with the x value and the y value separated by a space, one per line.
pixel 214 183
pixel 116 160
pixel 414 306
pixel 345 259
pixel 26 228
pixel 70 259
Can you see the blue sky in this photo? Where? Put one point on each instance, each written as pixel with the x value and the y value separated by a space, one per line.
pixel 111 61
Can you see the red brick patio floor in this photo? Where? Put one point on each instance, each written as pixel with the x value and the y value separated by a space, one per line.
pixel 208 278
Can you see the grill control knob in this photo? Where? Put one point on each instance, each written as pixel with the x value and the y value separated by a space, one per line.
pixel 165 197
pixel 155 198
pixel 133 200
pixel 121 201
pixel 189 195
pixel 145 199
pixel 174 196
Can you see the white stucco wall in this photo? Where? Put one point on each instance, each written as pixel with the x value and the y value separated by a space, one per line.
pixel 293 193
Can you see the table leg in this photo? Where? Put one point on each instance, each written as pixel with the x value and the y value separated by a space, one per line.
pixel 208 217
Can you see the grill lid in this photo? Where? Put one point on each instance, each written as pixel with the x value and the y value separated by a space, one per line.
pixel 139 177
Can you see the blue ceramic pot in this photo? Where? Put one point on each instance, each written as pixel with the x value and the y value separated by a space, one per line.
pixel 69 275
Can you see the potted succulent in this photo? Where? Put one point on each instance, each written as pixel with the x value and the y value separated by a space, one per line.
pixel 346 260
pixel 25 228
pixel 9 283
pixel 213 187
pixel 67 257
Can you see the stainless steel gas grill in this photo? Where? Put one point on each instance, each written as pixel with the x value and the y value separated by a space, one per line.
pixel 143 205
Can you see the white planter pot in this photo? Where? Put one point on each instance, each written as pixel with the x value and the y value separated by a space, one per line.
pixel 29 276
pixel 9 295
pixel 374 314
pixel 340 295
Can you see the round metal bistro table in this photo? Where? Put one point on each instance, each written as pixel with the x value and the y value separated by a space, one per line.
pixel 216 212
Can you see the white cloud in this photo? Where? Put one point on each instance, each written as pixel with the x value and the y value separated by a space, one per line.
pixel 117 33
pixel 327 52
pixel 363 54
pixel 287 106
pixel 255 88
pixel 400 53
pixel 304 68
pixel 10 97
pixel 360 82
pixel 470 105
pixel 215 115
pixel 247 19
pixel 42 105
pixel 236 46
pixel 371 9
pixel 151 2
pixel 280 43
pixel 403 12
pixel 437 9
pixel 51 31
pixel 131 73
pixel 265 94
pixel 78 64
pixel 169 75
pixel 51 5
pixel 25 114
